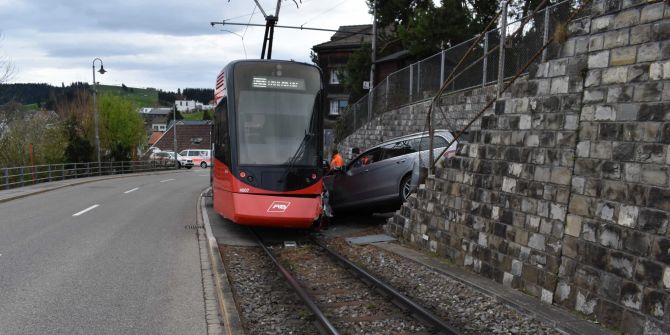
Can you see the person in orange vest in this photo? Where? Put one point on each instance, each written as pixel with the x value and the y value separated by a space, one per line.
pixel 336 160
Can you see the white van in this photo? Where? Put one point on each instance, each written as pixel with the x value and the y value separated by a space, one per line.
pixel 202 157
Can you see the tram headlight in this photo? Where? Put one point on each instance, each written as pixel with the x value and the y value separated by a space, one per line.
pixel 243 174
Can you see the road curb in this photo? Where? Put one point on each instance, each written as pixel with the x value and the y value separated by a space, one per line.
pixel 75 183
pixel 232 323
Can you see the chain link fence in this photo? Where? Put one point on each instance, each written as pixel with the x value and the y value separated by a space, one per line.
pixel 481 67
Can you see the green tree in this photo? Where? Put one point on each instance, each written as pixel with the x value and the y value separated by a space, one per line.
pixel 396 12
pixel 40 129
pixel 178 116
pixel 356 72
pixel 79 149
pixel 422 28
pixel 206 115
pixel 121 128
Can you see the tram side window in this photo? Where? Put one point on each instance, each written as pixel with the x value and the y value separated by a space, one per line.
pixel 222 144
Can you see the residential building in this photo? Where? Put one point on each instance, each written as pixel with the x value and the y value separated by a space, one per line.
pixel 333 56
pixel 185 105
pixel 190 135
pixel 155 119
pixel 155 136
pixel 159 123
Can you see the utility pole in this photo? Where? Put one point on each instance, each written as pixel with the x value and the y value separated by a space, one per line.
pixel 95 113
pixel 372 56
pixel 174 132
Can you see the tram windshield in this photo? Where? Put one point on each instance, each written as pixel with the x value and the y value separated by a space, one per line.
pixel 275 114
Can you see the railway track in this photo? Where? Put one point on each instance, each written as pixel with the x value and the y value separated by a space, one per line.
pixel 344 298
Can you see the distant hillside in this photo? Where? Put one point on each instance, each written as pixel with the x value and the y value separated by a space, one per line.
pixel 44 95
pixel 140 96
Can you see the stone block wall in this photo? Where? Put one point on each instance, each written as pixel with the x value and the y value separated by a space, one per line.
pixel 563 192
pixel 499 206
pixel 616 248
pixel 459 108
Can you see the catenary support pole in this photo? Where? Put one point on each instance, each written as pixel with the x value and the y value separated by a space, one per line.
pixel 371 98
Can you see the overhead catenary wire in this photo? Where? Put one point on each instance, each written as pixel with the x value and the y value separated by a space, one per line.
pixel 324 12
pixel 223 23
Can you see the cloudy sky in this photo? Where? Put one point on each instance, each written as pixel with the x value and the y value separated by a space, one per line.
pixel 165 44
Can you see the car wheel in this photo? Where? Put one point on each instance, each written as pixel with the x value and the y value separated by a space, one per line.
pixel 405 188
pixel 178 165
pixel 203 165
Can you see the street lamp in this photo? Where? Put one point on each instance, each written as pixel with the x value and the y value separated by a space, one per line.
pixel 95 113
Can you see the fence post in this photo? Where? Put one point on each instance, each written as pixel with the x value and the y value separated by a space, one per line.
pixel 411 81
pixel 49 167
pixel 387 94
pixel 442 56
pixel 486 58
pixel 355 107
pixel 418 79
pixel 62 172
pixel 545 35
pixel 501 59
pixel 370 104
pixel 6 178
pixel 21 173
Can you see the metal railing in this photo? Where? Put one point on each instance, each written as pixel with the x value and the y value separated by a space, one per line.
pixel 20 176
pixel 421 80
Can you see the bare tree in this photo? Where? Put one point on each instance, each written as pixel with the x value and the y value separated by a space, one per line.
pixel 6 67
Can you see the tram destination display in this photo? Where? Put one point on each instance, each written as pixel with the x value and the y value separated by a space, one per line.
pixel 296 84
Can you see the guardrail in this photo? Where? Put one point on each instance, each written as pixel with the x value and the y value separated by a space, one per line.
pixel 11 177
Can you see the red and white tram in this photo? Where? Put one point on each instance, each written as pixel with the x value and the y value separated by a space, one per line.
pixel 268 144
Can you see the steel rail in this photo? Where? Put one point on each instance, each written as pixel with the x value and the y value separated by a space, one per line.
pixel 327 326
pixel 416 309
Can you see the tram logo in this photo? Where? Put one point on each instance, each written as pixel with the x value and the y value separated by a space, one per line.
pixel 278 206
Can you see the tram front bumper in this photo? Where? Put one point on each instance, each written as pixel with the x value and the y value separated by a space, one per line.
pixel 275 211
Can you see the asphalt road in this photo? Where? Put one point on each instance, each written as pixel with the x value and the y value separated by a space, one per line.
pixel 125 266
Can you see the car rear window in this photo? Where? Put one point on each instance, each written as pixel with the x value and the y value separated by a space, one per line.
pixel 424 143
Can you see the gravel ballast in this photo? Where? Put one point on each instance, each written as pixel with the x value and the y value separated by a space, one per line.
pixel 468 310
pixel 265 302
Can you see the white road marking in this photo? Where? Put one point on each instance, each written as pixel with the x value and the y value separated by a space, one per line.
pixel 86 210
pixel 133 190
pixel 171 179
pixel 203 175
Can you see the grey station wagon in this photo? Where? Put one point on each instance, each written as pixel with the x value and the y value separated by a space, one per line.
pixel 382 177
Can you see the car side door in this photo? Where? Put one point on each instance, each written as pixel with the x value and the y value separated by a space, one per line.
pixel 397 162
pixel 349 187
